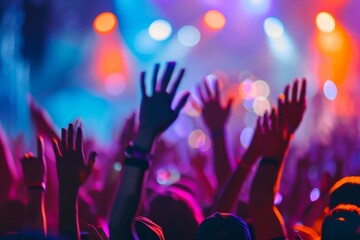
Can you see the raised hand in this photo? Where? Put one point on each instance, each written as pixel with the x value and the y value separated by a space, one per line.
pixel 156 114
pixel 70 163
pixel 214 114
pixel 255 148
pixel 128 132
pixel 34 168
pixel 291 110
pixel 275 141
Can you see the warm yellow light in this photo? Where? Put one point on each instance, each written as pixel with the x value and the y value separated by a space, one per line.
pixel 325 22
pixel 214 20
pixel 105 22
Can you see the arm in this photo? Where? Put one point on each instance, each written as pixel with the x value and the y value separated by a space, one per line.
pixel 156 115
pixel 72 173
pixel 34 172
pixel 229 193
pixel 215 117
pixel 268 222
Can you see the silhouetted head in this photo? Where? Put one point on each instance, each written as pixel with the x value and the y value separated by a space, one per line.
pixel 223 226
pixel 345 191
pixel 177 213
pixel 147 229
pixel 343 222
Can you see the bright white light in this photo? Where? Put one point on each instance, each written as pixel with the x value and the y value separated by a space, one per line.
pixel 160 30
pixel 246 136
pixel 325 22
pixel 314 194
pixel 261 105
pixel 283 48
pixel 330 90
pixel 189 36
pixel 262 88
pixel 117 166
pixel 273 27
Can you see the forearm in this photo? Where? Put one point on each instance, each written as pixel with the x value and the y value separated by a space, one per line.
pixel 229 193
pixel 35 213
pixel 68 213
pixel 222 165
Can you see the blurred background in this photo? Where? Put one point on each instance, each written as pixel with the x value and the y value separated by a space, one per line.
pixel 82 59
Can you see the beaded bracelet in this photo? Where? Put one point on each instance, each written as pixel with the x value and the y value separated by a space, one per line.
pixel 37 186
pixel 271 161
pixel 138 163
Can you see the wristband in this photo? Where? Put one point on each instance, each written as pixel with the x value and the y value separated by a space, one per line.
pixel 270 161
pixel 133 151
pixel 37 186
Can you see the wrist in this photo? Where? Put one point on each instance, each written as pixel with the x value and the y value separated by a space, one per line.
pixel 144 139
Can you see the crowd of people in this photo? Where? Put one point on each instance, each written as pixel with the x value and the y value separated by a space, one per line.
pixel 59 194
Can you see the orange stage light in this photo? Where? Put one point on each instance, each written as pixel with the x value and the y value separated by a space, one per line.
pixel 105 22
pixel 214 20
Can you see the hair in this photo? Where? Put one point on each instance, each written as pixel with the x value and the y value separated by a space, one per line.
pixel 345 191
pixel 223 226
pixel 177 213
pixel 343 222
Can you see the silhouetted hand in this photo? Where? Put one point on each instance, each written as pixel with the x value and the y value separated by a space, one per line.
pixel 214 114
pixel 256 145
pixel 275 141
pixel 128 132
pixel 34 168
pixel 291 111
pixel 71 168
pixel 156 114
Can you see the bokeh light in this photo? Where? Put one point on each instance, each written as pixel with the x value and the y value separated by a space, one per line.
pixel 278 198
pixel 256 6
pixel 247 89
pixel 262 89
pixel 325 22
pixel 246 136
pixel 248 104
pixel 105 22
pixel 189 36
pixel 115 84
pixel 160 30
pixel 330 90
pixel 207 144
pixel 314 194
pixel 167 176
pixel 196 138
pixel 261 105
pixel 273 27
pixel 214 20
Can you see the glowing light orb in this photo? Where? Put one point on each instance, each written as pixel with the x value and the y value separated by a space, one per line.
pixel 256 6
pixel 273 27
pixel 105 22
pixel 117 167
pixel 160 30
pixel 196 138
pixel 330 90
pixel 278 198
pixel 262 88
pixel 314 194
pixel 261 105
pixel 246 136
pixel 247 89
pixel 248 104
pixel 214 20
pixel 189 36
pixel 325 22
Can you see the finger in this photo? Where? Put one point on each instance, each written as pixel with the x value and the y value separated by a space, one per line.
pixel 142 85
pixel 208 90
pixel 198 88
pixel 56 148
pixel 303 91
pixel 266 122
pixel 294 92
pixel 258 124
pixel 280 112
pixel 40 147
pixel 273 118
pixel 217 93
pixel 63 139
pixel 229 104
pixel 91 162
pixel 182 102
pixel 167 76
pixel 70 136
pixel 154 78
pixel 78 146
pixel 286 94
pixel 177 82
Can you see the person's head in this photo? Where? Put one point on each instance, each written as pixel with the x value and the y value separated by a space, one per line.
pixel 345 191
pixel 147 229
pixel 177 213
pixel 342 222
pixel 223 226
